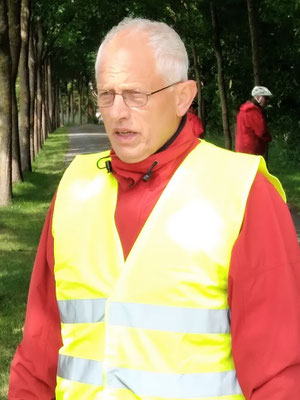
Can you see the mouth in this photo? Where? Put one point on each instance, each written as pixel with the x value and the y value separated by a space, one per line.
pixel 125 133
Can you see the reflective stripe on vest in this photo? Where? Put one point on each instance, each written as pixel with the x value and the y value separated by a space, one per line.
pixel 76 311
pixel 174 319
pixel 80 370
pixel 191 320
pixel 177 386
pixel 144 383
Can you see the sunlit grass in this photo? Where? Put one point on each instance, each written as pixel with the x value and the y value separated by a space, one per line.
pixel 20 227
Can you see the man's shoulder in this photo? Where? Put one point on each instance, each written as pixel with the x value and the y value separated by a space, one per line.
pixel 86 167
pixel 87 161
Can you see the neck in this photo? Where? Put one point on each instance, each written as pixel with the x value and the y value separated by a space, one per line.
pixel 173 137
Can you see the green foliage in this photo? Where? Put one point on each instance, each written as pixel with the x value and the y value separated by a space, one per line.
pixel 284 163
pixel 20 228
pixel 73 30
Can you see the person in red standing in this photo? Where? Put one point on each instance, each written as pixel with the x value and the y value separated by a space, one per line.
pixel 167 267
pixel 194 120
pixel 252 134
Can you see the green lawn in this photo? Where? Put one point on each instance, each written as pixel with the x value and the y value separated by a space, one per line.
pixel 20 227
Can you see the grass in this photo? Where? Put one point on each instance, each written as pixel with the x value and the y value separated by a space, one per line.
pixel 20 228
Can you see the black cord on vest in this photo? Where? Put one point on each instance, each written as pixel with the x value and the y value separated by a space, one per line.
pixel 148 174
pixel 107 164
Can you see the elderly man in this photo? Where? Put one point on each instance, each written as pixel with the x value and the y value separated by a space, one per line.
pixel 252 135
pixel 168 268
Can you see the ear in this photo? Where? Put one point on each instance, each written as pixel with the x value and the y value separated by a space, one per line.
pixel 186 92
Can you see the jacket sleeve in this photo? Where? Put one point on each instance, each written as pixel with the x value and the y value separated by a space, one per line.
pixel 256 122
pixel 33 369
pixel 264 297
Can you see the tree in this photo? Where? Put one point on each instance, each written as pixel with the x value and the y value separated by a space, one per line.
pixel 14 10
pixel 24 128
pixel 252 15
pixel 221 82
pixel 5 109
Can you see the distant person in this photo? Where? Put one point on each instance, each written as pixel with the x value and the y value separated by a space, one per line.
pixel 99 117
pixel 194 120
pixel 252 135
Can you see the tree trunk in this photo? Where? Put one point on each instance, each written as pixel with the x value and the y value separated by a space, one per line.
pixel 14 13
pixel 253 23
pixel 45 100
pixel 221 81
pixel 32 86
pixel 61 103
pixel 57 105
pixel 5 110
pixel 198 79
pixel 80 95
pixel 68 105
pixel 72 104
pixel 51 96
pixel 88 104
pixel 38 123
pixel 24 119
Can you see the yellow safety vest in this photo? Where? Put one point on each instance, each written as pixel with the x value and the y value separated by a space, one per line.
pixel 157 325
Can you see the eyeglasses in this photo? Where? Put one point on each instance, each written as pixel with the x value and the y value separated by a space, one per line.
pixel 131 98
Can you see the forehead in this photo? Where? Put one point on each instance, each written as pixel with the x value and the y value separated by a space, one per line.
pixel 128 58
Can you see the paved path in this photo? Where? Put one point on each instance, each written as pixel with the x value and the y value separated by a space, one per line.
pixel 86 139
pixel 91 138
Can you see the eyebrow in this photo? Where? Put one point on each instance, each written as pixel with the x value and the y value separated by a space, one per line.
pixel 132 89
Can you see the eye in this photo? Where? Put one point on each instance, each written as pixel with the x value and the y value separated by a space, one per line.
pixel 105 94
pixel 135 98
pixel 105 98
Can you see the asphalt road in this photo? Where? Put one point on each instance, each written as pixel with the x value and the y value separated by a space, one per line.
pixel 91 138
pixel 85 139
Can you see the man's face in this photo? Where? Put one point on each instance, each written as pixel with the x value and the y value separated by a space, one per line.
pixel 264 101
pixel 135 132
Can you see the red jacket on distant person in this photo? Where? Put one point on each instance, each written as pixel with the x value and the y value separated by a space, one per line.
pixel 196 124
pixel 252 135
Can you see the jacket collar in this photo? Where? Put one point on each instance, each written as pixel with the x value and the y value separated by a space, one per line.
pixel 129 174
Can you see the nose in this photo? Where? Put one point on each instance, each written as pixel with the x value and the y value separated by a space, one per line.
pixel 119 109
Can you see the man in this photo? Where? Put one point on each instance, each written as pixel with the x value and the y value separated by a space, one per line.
pixel 194 120
pixel 174 264
pixel 252 135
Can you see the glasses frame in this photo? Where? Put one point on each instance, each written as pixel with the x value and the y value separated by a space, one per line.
pixel 147 95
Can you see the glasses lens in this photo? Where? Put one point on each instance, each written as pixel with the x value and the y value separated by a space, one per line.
pixel 106 99
pixel 134 99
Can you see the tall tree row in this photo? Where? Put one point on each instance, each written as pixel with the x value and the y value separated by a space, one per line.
pixel 48 50
pixel 29 108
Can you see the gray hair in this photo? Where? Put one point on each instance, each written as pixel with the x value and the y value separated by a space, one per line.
pixel 169 50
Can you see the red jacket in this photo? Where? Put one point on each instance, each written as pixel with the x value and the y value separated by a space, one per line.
pixel 196 124
pixel 252 135
pixel 263 285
